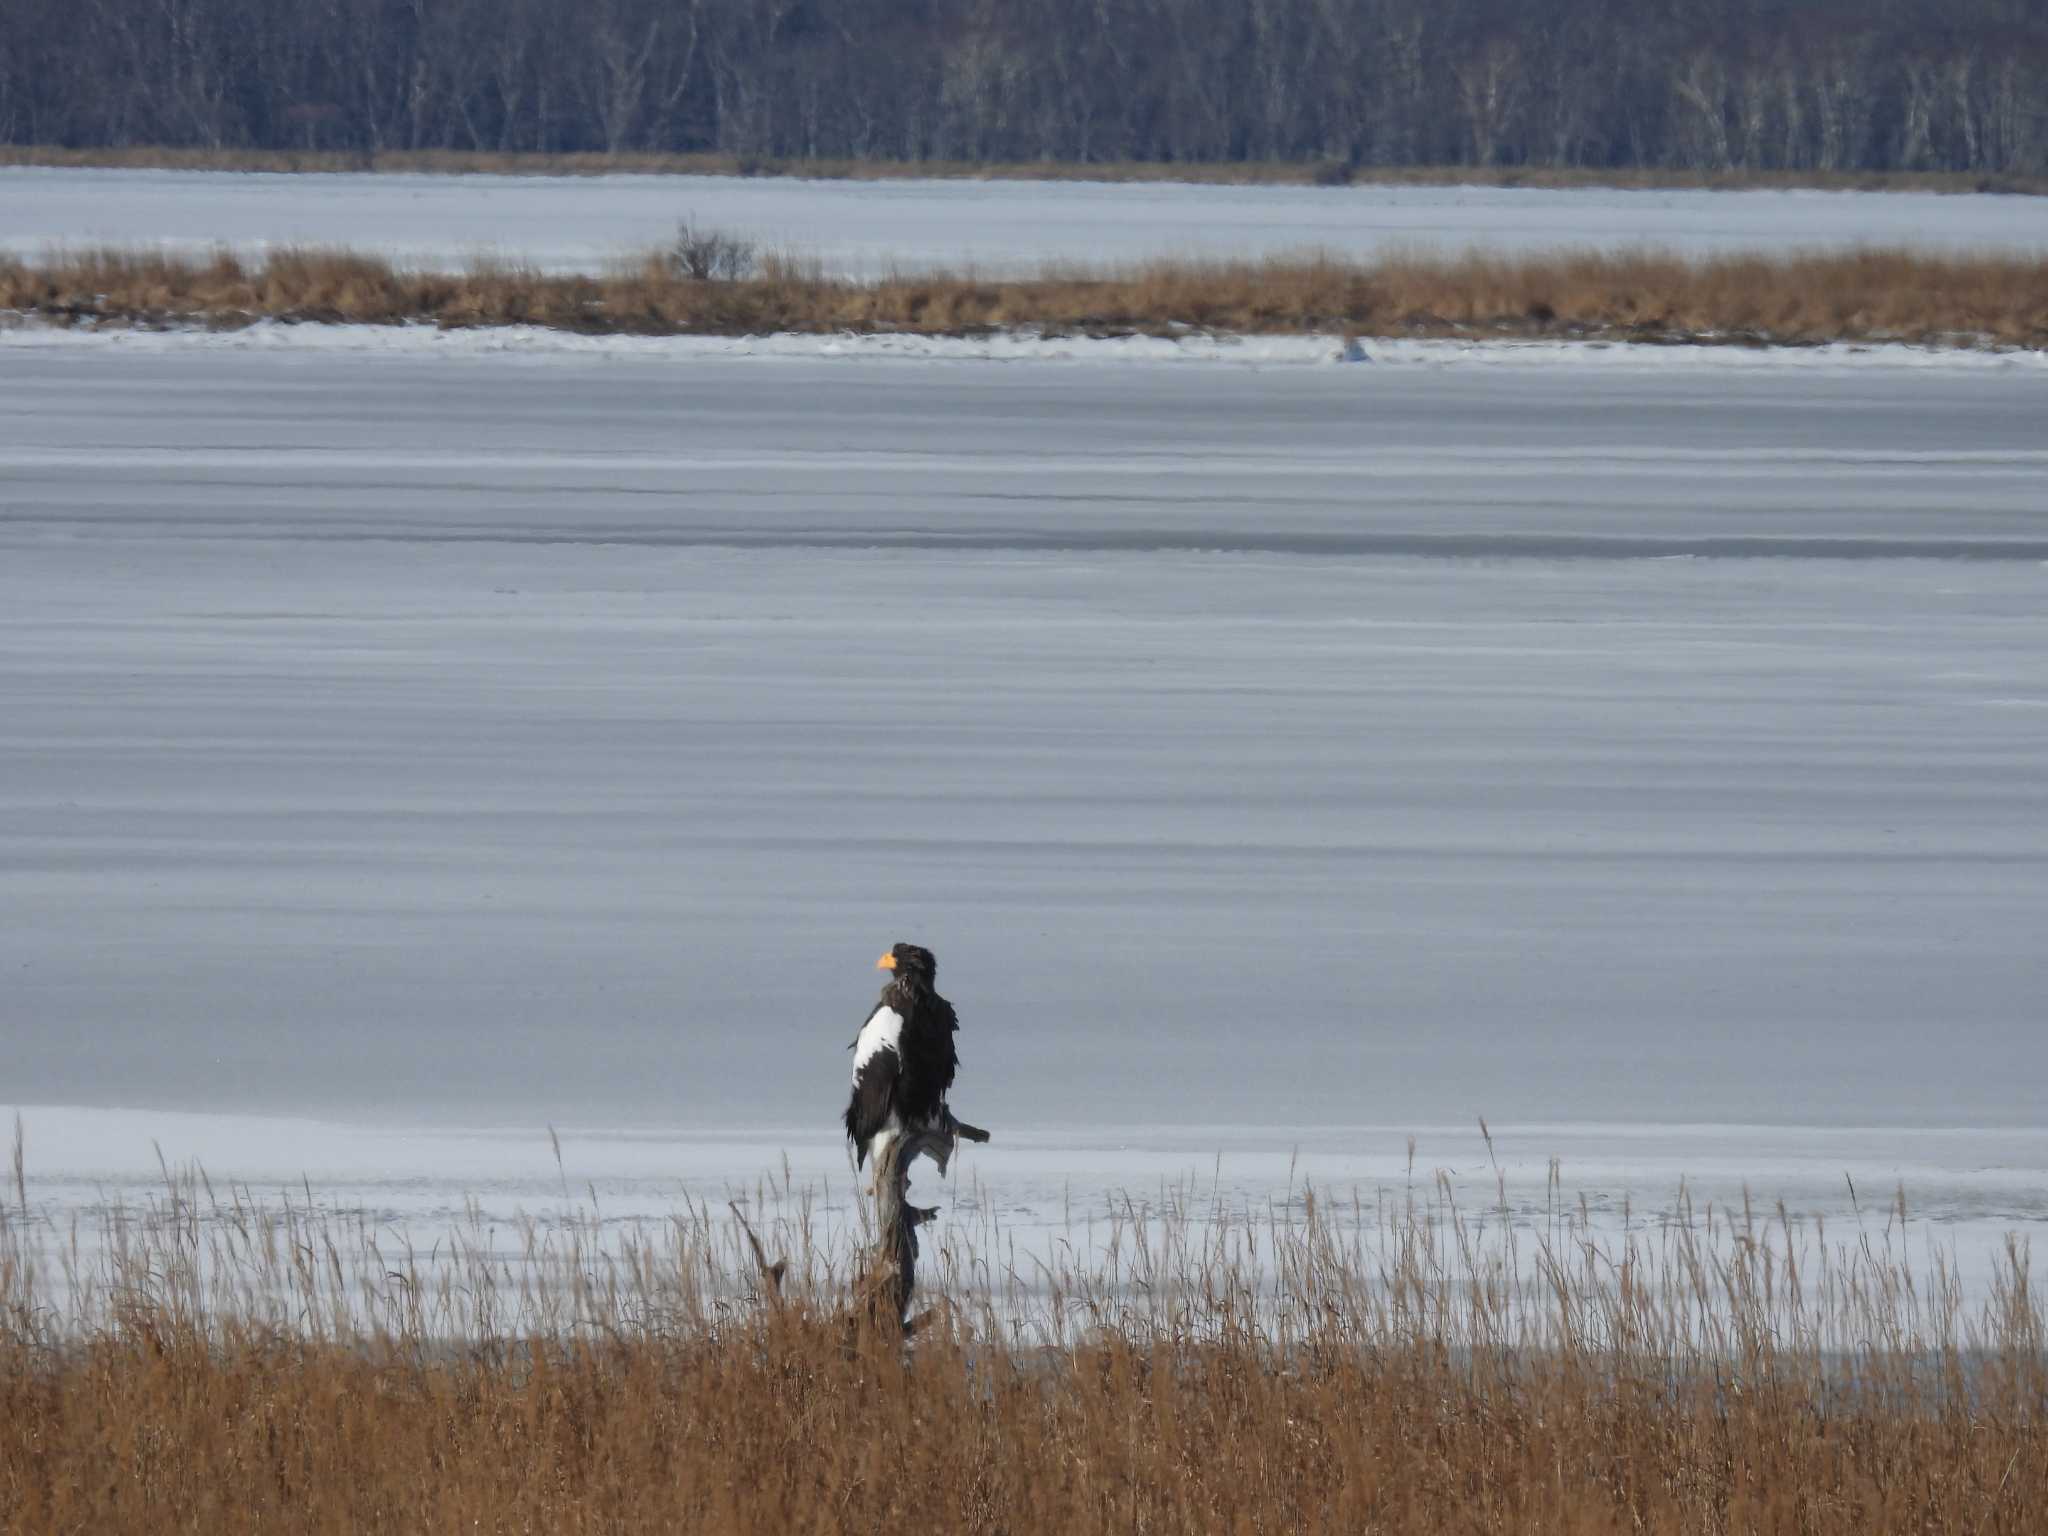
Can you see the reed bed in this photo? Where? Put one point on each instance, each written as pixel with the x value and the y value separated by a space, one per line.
pixel 1325 173
pixel 207 1363
pixel 1869 295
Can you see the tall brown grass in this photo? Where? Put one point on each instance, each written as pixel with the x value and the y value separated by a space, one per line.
pixel 1327 173
pixel 1862 295
pixel 206 1364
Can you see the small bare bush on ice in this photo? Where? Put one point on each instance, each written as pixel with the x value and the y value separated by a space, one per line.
pixel 707 255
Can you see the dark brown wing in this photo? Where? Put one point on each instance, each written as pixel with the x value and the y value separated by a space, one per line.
pixel 929 1059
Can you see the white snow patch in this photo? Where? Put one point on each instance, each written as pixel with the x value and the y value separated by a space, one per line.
pixel 1021 346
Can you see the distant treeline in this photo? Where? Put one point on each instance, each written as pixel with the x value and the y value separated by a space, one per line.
pixel 1707 85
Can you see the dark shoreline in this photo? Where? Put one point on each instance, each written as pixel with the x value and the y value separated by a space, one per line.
pixel 1331 174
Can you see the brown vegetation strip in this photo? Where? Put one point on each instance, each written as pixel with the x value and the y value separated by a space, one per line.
pixel 781 1426
pixel 1326 173
pixel 1856 296
pixel 204 1364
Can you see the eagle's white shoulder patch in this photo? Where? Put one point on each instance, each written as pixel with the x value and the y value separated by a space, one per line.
pixel 882 1032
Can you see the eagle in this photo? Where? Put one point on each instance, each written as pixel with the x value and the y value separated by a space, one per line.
pixel 903 1057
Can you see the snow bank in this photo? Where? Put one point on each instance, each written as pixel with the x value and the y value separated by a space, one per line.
pixel 1013 347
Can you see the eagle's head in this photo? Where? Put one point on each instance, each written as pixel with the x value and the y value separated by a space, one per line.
pixel 908 960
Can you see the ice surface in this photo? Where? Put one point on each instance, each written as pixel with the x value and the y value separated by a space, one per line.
pixel 415 739
pixel 556 738
pixel 864 228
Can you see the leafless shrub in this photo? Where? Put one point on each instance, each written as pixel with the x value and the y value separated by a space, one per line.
pixel 703 254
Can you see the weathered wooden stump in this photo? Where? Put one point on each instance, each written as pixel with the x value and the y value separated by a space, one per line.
pixel 890 1277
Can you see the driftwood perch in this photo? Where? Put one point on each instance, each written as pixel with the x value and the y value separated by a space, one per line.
pixel 891 1275
pixel 882 1297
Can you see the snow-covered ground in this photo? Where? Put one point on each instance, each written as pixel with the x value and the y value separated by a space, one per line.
pixel 1042 1197
pixel 865 228
pixel 1016 346
pixel 1638 756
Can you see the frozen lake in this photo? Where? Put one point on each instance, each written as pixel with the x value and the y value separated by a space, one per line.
pixel 506 740
pixel 864 228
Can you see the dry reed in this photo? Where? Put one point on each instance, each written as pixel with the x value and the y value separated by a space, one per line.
pixel 1867 295
pixel 206 1364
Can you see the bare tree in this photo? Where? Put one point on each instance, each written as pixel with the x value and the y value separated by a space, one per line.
pixel 1490 83
pixel 1830 84
pixel 1701 89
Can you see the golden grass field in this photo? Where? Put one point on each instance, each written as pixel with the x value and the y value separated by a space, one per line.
pixel 448 162
pixel 1855 296
pixel 206 1365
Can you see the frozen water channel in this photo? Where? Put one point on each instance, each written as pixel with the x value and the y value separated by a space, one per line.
pixel 457 741
pixel 867 228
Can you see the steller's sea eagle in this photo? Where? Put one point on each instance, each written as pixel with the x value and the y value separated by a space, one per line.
pixel 903 1057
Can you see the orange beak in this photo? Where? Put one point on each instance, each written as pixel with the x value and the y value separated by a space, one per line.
pixel 886 963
